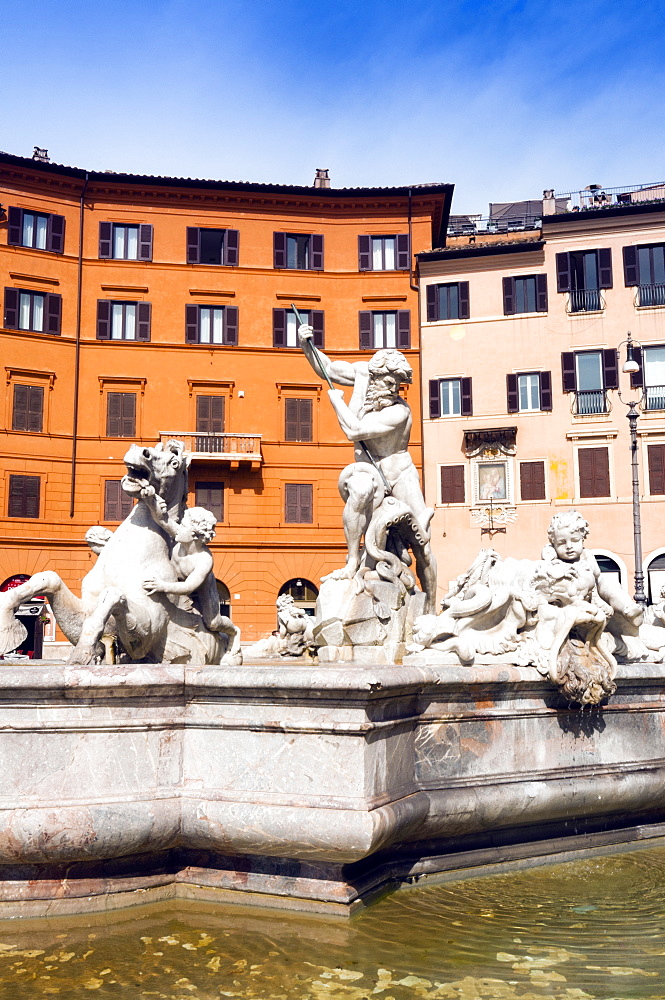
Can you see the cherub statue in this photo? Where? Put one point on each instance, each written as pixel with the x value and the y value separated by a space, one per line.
pixel 295 627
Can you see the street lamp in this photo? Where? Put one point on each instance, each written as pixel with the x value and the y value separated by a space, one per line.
pixel 631 367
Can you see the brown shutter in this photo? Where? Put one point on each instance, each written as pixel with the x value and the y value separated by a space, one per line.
pixel 35 412
pixel 105 240
pixel 656 459
pixel 316 248
pixel 365 322
pixel 143 310
pixel 432 303
pixel 217 414
pixel 316 318
pixel 113 414
pixel 103 319
pixel 546 391
pixel 563 272
pixel 20 408
pixel 112 491
pixel 231 247
pixel 24 496
pixel 512 393
pixel 145 242
pixel 605 268
pixel 291 503
pixel 278 325
pixel 306 505
pixel 611 368
pixel 231 325
pixel 532 480
pixel 434 398
pixel 279 250
pixel 637 379
pixel 11 308
pixel 403 252
pixel 467 398
pixel 594 470
pixel 203 413
pixel 630 268
pixel 404 329
pixel 53 311
pixel 193 251
pixel 14 227
pixel 364 253
pixel 210 496
pixel 128 420
pixel 32 484
pixel 508 297
pixel 55 234
pixel 568 373
pixel 541 293
pixel 463 289
pixel 191 324
pixel 305 420
pixel 291 420
pixel 452 484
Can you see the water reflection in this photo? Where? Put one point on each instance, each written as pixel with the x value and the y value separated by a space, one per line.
pixel 592 928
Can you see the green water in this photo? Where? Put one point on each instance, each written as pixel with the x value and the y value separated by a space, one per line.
pixel 591 928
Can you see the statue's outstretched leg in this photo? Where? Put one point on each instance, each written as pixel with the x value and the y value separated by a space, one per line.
pixel 359 491
pixel 68 609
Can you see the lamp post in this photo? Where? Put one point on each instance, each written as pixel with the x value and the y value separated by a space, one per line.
pixel 631 367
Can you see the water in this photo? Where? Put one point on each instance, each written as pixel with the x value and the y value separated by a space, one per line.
pixel 592 928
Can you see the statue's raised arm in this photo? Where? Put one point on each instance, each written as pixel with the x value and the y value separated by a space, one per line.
pixel 342 372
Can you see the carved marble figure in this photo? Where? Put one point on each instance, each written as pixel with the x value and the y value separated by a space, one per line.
pixel 295 627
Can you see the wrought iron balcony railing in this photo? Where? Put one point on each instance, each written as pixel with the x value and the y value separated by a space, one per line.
pixel 585 300
pixel 654 397
pixel 650 295
pixel 210 446
pixel 589 401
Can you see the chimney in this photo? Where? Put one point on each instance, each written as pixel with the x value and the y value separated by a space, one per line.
pixel 321 179
pixel 41 155
pixel 549 202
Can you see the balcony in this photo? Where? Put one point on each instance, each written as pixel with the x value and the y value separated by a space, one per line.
pixel 588 401
pixel 654 397
pixel 585 300
pixel 208 446
pixel 650 295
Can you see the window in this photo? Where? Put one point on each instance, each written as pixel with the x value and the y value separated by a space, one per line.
pixel 530 391
pixel 651 376
pixel 121 414
pixel 532 480
pixel 385 329
pixel 452 484
pixel 210 496
pixel 298 419
pixel 450 397
pixel 285 327
pixel 36 230
pixel 525 295
pixel 298 507
pixel 125 242
pixel 213 246
pixel 448 301
pixel 299 251
pixel 117 503
pixel 583 273
pixel 211 325
pixel 24 496
pixel 210 424
pixel 594 470
pixel 384 253
pixel 656 463
pixel 123 320
pixel 28 408
pixel 38 312
pixel 589 374
pixel 644 266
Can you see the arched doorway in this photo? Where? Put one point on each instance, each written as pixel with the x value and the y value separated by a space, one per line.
pixel 224 598
pixel 655 577
pixel 303 592
pixel 30 615
pixel 607 564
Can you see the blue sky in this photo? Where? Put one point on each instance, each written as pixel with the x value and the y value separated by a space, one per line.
pixel 501 98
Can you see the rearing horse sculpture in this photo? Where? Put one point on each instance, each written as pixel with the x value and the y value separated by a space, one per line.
pixel 151 628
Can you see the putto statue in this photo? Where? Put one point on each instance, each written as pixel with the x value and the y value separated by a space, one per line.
pixel 294 637
pixel 373 599
pixel 560 614
pixel 152 600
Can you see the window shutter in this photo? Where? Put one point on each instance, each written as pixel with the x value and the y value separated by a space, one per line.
pixel 278 326
pixel 364 253
pixel 291 503
pixel 452 484
pixel 128 419
pixel 103 319
pixel 404 329
pixel 630 269
pixel 217 414
pixel 16 493
pixel 210 496
pixel 365 322
pixel 14 226
pixel 403 253
pixel 563 272
pixel 305 419
pixel 532 480
pixel 508 298
pixel 53 313
pixel 193 252
pixel 546 391
pixel 611 368
pixel 279 249
pixel 231 325
pixel 605 268
pixel 432 303
pixel 541 293
pixel 585 463
pixel 191 324
pixel 55 234
pixel 656 457
pixel 11 308
pixel 316 247
pixel 20 409
pixel 145 242
pixel 511 392
pixel 105 240
pixel 35 413
pixel 316 319
pixel 637 380
pixel 203 413
pixel 112 503
pixel 568 373
pixel 113 414
pixel 291 421
pixel 463 287
pixel 31 494
pixel 594 470
pixel 306 506
pixel 467 399
pixel 231 247
pixel 143 310
pixel 434 398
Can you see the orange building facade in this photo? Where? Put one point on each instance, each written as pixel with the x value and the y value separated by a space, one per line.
pixel 143 308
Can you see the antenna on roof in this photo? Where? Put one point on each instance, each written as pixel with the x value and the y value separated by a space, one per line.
pixel 41 155
pixel 322 178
